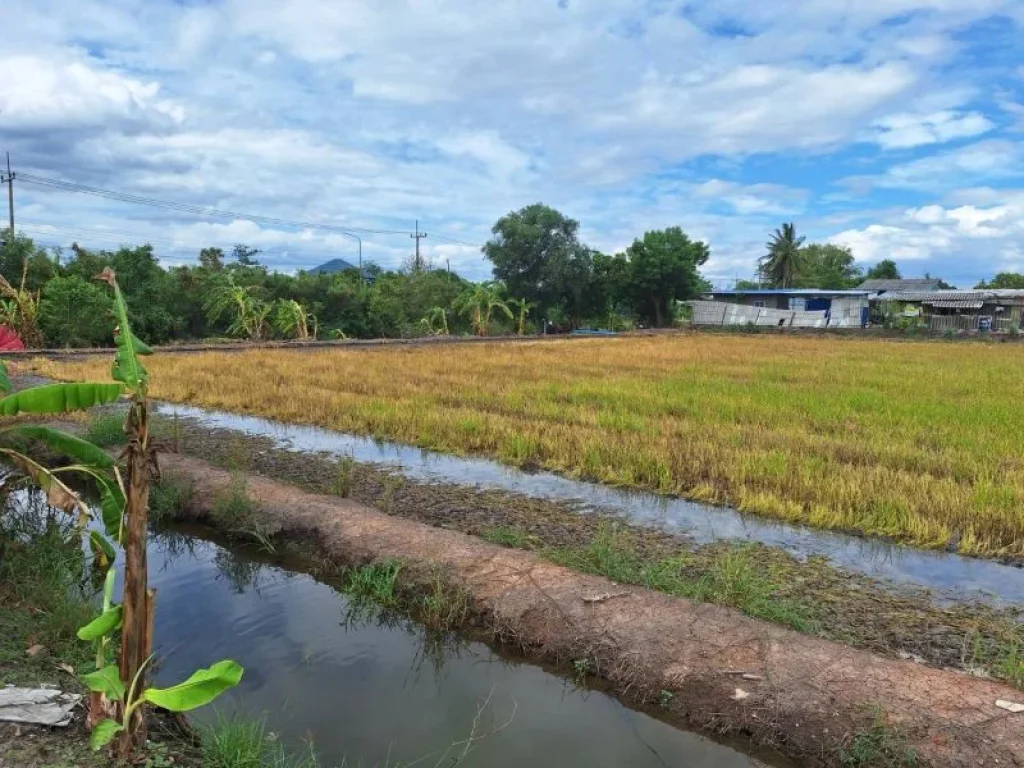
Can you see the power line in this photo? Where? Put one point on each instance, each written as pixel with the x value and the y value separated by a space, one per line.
pixel 199 210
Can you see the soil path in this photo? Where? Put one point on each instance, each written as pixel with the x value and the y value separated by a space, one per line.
pixel 727 672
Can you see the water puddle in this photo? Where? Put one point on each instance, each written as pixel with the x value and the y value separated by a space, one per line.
pixel 950 576
pixel 381 693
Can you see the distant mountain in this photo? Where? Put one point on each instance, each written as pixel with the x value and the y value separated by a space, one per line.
pixel 334 265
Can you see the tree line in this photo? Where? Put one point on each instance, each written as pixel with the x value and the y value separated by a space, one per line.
pixel 544 279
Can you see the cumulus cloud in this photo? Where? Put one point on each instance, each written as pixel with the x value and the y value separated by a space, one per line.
pixel 718 115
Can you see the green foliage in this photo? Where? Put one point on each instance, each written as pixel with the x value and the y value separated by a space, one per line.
pixel 1011 280
pixel 102 625
pixel 202 687
pixel 662 269
pixel 375 582
pixel 106 429
pixel 879 745
pixel 886 269
pixel 783 262
pixel 537 254
pixel 827 266
pixel 74 313
pixel 239 742
pixel 60 398
pixel 68 445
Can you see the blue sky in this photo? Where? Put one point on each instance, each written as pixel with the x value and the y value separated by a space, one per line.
pixel 890 126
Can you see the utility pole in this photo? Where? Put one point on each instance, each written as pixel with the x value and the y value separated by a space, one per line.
pixel 417 263
pixel 8 179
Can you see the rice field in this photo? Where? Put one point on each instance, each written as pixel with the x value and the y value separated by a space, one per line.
pixel 920 441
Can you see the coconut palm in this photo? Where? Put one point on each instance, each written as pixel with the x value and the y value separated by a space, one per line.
pixel 523 308
pixel 249 313
pixel 479 302
pixel 781 265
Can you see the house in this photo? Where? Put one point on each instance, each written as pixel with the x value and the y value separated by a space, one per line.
pixel 917 284
pixel 788 307
pixel 968 310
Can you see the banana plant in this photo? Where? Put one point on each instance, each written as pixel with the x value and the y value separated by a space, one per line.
pixel 118 694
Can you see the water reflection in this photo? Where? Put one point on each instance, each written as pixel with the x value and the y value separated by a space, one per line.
pixel 370 686
pixel 952 576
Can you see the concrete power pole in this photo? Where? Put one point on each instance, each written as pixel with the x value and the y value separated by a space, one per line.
pixel 417 263
pixel 8 179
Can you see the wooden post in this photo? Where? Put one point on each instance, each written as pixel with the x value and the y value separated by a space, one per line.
pixel 136 633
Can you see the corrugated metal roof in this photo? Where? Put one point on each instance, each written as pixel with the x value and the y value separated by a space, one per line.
pixel 952 304
pixel 1009 296
pixel 909 284
pixel 785 292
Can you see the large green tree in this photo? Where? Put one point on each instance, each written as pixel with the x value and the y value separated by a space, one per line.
pixel 1004 280
pixel 886 269
pixel 537 254
pixel 75 313
pixel 662 270
pixel 782 264
pixel 827 266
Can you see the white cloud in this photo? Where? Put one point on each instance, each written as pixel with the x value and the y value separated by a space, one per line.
pixel 42 94
pixel 947 239
pixel 905 130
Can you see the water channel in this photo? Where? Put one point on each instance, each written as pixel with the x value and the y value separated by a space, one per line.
pixel 949 575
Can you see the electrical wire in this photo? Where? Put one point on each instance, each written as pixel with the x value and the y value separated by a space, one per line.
pixel 124 197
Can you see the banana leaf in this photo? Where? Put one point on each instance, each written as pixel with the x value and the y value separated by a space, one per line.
pixel 5 381
pixel 103 733
pixel 69 445
pixel 127 367
pixel 106 681
pixel 201 688
pixel 60 398
pixel 102 625
pixel 57 493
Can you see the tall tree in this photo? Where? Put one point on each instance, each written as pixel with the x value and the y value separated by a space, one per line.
pixel 244 255
pixel 781 265
pixel 886 269
pixel 827 266
pixel 74 313
pixel 537 254
pixel 1004 280
pixel 662 270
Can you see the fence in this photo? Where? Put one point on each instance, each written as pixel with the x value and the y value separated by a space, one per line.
pixel 953 323
pixel 723 313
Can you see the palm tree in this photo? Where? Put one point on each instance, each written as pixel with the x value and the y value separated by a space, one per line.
pixel 523 307
pixel 228 298
pixel 433 315
pixel 781 265
pixel 479 302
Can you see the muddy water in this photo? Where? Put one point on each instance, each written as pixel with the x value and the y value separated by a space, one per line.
pixel 950 576
pixel 380 693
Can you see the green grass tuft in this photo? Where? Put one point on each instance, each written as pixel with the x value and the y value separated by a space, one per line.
pixel 106 430
pixel 239 742
pixel 879 745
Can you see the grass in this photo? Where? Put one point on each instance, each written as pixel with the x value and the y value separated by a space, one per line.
pixel 915 440
pixel 425 592
pixel 239 742
pixel 168 496
pixel 45 594
pixel 879 745
pixel 105 429
pixel 733 579
pixel 239 516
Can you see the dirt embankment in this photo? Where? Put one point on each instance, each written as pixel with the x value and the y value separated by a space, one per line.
pixel 725 672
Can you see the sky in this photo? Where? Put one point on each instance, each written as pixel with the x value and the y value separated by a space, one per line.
pixel 893 127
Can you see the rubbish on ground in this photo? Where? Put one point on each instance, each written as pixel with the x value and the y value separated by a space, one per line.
pixel 38 706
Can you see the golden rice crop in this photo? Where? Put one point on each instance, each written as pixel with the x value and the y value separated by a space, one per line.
pixel 923 441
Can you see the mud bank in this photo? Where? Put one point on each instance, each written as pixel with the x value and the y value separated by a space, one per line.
pixel 725 672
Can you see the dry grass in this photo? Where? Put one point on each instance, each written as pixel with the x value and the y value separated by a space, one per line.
pixel 920 441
